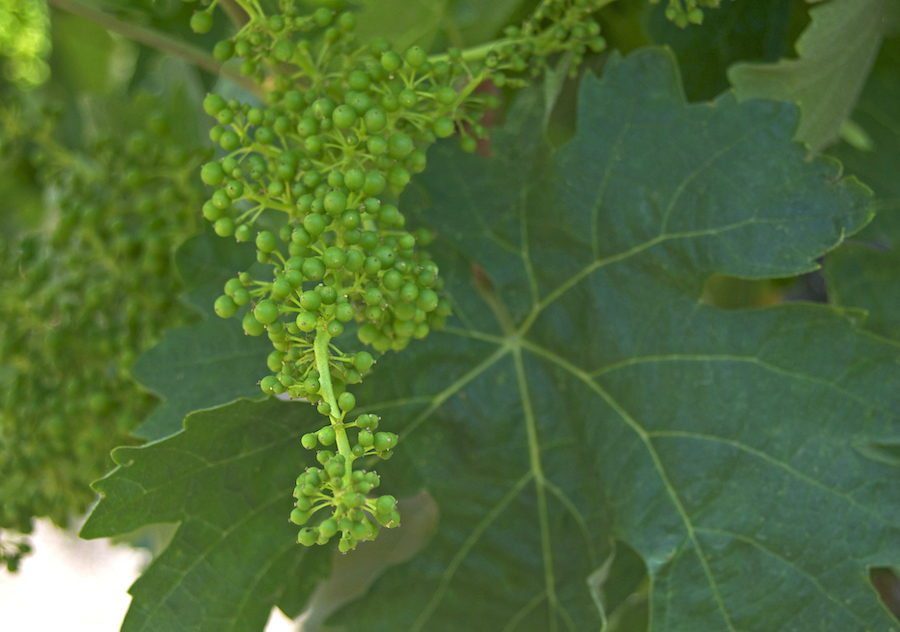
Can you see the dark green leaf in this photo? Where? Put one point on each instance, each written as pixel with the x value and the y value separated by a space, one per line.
pixel 740 30
pixel 865 272
pixel 836 53
pixel 207 364
pixel 719 445
pixel 227 479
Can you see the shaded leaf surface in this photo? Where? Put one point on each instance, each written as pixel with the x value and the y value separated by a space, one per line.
pixel 836 52
pixel 740 30
pixel 227 479
pixel 865 272
pixel 611 404
pixel 207 364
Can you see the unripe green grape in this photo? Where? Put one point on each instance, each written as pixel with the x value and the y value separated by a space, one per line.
pixel 224 226
pixel 385 504
pixel 212 172
pixel 392 280
pixel 310 301
pixel 367 334
pixel 213 104
pixel 344 312
pixel 399 177
pixel 346 402
pixel 327 293
pixel 407 99
pixel 281 289
pixel 307 321
pixel 377 146
pixel 375 120
pixel 266 311
pixel 444 127
pixel 335 203
pixel 274 361
pixel 421 331
pixel 266 241
pixel 220 199
pixel 298 516
pixel 307 537
pixel 231 285
pixel 445 95
pixel 352 237
pixel 311 385
pixel 343 116
pixel 409 292
pixel 390 216
pixel 314 269
pixel 415 56
pixel 334 257
pixel 400 145
pixel 243 233
pixel 355 260
pixel 350 219
pixel 223 51
pixel 229 140
pixel 241 297
pixel 324 408
pixel 335 328
pixel 294 278
pixel 363 361
pixel 324 108
pixel 385 441
pixel 326 436
pixel 211 211
pixel 313 144
pixel 268 383
pixel 225 307
pixel 307 127
pixel 443 308
pixel 328 527
pixel 315 224
pixel 391 61
pixel 366 438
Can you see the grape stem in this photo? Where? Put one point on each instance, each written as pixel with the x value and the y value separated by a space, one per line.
pixel 320 347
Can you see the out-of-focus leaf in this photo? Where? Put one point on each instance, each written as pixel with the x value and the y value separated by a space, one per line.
pixel 865 272
pixel 836 52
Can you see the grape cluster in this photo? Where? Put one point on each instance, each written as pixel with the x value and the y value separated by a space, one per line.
pixel 684 12
pixel 345 126
pixel 79 303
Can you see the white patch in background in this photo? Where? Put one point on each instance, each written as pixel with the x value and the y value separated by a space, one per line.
pixel 78 585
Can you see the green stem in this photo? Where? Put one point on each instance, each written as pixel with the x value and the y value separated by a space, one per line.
pixel 326 390
pixel 155 39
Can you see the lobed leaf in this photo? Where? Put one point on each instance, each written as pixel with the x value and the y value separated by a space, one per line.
pixel 227 479
pixel 836 52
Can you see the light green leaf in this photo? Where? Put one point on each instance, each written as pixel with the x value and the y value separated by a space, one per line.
pixel 836 52
pixel 476 21
pixel 590 397
pixel 865 272
pixel 227 480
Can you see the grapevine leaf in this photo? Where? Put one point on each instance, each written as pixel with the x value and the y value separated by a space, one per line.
pixel 836 52
pixel 727 448
pixel 227 480
pixel 207 364
pixel 741 30
pixel 866 272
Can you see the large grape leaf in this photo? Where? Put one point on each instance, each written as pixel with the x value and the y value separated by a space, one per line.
pixel 207 364
pixel 836 52
pixel 866 271
pixel 227 480
pixel 583 394
pixel 589 396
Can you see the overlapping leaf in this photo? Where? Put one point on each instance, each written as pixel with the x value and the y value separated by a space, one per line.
pixel 836 53
pixel 866 272
pixel 227 480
